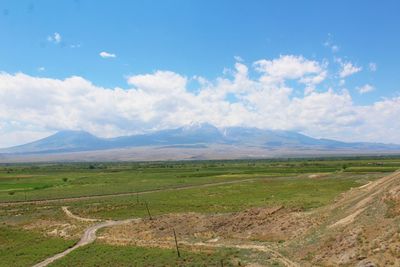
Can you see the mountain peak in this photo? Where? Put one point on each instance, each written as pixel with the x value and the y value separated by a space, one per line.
pixel 193 134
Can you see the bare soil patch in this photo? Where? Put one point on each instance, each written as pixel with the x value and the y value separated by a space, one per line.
pixel 271 224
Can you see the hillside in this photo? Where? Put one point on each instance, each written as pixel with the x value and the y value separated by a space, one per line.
pixel 360 229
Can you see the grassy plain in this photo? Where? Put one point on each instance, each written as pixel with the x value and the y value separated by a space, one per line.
pixel 51 181
pixel 297 192
pixel 25 248
pixel 301 184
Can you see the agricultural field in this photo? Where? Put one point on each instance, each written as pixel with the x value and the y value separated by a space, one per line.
pixel 223 213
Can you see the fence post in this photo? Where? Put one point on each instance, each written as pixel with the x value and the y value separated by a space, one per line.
pixel 148 211
pixel 176 244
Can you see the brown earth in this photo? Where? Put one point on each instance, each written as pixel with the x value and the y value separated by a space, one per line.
pixel 271 224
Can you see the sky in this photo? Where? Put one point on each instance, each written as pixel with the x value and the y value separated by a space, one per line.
pixel 325 69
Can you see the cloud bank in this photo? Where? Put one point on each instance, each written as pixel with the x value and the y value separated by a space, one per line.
pixel 287 93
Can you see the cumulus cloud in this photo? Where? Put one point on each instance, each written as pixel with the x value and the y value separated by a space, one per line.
pixel 264 92
pixel 159 82
pixel 105 54
pixel 54 38
pixel 347 68
pixel 365 89
pixel 291 67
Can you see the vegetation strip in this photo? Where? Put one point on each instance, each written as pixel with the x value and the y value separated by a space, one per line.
pixel 126 194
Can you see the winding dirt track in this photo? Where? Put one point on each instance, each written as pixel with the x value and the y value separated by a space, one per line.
pixel 69 199
pixel 88 236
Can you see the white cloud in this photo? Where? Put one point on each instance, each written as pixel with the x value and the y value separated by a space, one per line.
pixel 104 54
pixel 160 81
pixel 265 97
pixel 347 68
pixel 372 67
pixel 291 67
pixel 365 89
pixel 55 38
pixel 238 58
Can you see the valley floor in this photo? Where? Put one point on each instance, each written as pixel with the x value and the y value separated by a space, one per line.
pixel 341 212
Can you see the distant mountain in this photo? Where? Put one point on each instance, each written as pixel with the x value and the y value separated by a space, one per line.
pixel 199 135
pixel 193 134
pixel 63 141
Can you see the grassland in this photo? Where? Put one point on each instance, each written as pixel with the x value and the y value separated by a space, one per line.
pixel 301 184
pixel 139 256
pixel 297 192
pixel 52 181
pixel 25 248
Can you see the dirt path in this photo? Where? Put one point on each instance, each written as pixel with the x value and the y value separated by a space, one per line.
pixel 358 199
pixel 68 199
pixel 71 215
pixel 88 236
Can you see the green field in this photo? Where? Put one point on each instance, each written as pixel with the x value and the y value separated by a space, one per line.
pixel 24 248
pixel 295 192
pixel 139 256
pixel 52 181
pixel 216 187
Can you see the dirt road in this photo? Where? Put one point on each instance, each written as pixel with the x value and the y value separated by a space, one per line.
pixel 358 199
pixel 88 236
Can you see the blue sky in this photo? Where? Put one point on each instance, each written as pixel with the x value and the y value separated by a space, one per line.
pixel 61 39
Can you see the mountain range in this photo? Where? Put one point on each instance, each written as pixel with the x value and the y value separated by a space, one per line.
pixel 193 136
